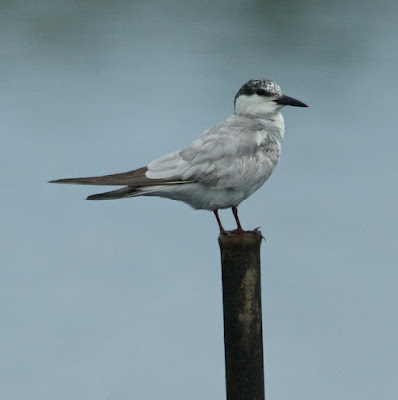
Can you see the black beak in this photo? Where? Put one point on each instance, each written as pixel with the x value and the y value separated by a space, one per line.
pixel 289 101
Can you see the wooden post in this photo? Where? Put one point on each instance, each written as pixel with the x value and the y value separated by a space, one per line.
pixel 241 281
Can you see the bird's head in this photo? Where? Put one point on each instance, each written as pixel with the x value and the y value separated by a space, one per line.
pixel 263 99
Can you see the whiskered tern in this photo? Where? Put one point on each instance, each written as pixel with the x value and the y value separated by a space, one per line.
pixel 220 169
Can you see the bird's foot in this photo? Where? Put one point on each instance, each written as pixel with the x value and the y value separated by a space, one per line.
pixel 234 232
pixel 242 232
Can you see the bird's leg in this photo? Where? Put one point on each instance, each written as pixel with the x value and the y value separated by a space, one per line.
pixel 235 212
pixel 222 230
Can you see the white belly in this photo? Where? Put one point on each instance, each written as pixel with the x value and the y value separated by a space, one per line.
pixel 202 197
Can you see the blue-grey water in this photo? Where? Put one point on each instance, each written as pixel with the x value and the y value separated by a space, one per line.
pixel 122 300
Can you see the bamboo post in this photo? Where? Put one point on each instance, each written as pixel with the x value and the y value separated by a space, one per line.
pixel 241 281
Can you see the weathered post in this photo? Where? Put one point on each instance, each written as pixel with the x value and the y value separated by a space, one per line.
pixel 241 280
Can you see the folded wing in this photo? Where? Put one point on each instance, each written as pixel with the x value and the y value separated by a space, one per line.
pixel 222 157
pixel 135 178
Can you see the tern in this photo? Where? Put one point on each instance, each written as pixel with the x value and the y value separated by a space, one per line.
pixel 220 169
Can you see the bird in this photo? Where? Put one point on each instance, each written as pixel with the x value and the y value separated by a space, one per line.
pixel 224 166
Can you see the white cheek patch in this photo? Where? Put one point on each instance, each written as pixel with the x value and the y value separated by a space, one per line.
pixel 243 102
pixel 254 105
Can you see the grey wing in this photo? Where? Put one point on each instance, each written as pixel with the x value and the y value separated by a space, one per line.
pixel 226 156
pixel 223 156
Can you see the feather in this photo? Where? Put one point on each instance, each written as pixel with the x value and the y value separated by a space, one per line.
pixel 136 178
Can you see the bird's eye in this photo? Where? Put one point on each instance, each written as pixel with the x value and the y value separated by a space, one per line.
pixel 261 92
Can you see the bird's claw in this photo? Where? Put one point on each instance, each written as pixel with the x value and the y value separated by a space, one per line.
pixel 258 232
pixel 241 232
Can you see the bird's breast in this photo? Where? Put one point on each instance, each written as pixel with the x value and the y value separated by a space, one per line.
pixel 272 152
pixel 268 147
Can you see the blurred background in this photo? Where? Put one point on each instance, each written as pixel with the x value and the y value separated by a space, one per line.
pixel 122 299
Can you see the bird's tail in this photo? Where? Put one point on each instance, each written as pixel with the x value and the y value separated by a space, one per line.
pixel 128 191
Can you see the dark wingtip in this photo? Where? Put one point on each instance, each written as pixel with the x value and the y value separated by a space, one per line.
pixel 60 181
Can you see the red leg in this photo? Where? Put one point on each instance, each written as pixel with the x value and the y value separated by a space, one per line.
pixel 222 230
pixel 235 212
